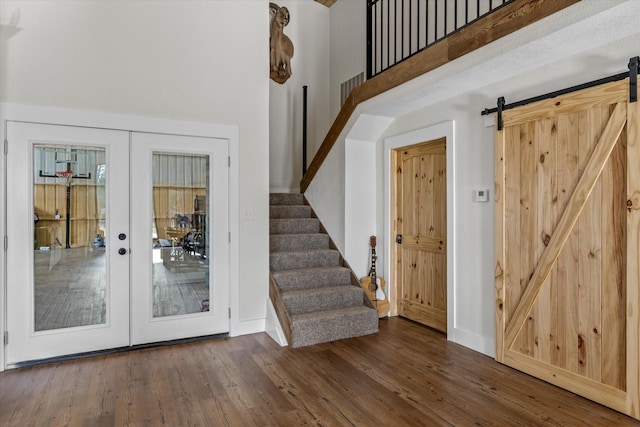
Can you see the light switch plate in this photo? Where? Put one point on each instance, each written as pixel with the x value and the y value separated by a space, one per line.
pixel 481 196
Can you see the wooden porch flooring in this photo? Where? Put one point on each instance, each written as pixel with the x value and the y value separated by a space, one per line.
pixel 406 375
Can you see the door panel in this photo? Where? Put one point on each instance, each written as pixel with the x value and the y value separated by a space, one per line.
pixel 53 308
pixel 421 220
pixel 565 281
pixel 179 237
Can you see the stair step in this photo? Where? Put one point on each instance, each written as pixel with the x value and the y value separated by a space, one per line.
pixel 297 242
pixel 286 199
pixel 323 326
pixel 289 211
pixel 322 299
pixel 288 280
pixel 294 226
pixel 304 259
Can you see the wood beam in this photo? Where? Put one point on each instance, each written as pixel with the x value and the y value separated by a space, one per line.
pixel 327 3
pixel 500 23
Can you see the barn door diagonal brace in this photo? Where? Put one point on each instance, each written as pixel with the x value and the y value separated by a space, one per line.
pixel 634 67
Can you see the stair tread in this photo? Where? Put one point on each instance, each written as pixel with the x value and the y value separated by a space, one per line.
pixel 305 251
pixel 284 199
pixel 289 211
pixel 310 270
pixel 328 314
pixel 294 235
pixel 322 299
pixel 294 219
pixel 321 290
pixel 279 226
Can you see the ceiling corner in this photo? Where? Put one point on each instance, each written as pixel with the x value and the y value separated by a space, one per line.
pixel 327 3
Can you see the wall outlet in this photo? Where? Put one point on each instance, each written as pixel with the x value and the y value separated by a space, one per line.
pixel 247 214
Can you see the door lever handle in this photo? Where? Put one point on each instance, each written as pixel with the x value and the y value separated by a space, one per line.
pixel 399 239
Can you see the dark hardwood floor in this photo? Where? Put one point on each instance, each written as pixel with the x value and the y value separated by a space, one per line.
pixel 406 375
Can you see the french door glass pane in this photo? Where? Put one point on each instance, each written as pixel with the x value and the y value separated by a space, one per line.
pixel 180 234
pixel 70 285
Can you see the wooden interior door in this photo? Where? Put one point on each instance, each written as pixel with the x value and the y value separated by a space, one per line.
pixel 421 220
pixel 567 243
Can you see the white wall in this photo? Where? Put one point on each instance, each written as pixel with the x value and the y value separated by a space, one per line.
pixel 198 61
pixel 308 29
pixel 348 45
pixel 589 40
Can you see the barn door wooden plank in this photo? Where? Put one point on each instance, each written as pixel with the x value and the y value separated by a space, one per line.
pixel 569 217
pixel 499 279
pixel 633 261
pixel 512 228
pixel 528 201
pixel 544 328
pixel 566 351
pixel 614 247
pixel 590 252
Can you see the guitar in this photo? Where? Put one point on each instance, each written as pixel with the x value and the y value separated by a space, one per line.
pixel 374 286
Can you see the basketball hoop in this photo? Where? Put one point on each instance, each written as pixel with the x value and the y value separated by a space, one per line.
pixel 66 175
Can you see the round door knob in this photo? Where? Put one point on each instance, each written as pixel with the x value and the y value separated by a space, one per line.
pixel 122 236
pixel 122 251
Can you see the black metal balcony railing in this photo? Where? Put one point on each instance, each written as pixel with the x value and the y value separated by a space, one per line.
pixel 398 29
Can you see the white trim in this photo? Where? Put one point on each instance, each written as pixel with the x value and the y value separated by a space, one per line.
pixel 273 328
pixel 474 341
pixel 447 130
pixel 95 119
pixel 246 327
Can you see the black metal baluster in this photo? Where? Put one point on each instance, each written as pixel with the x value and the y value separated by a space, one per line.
pixel 369 41
pixel 445 18
pixel 410 27
pixel 388 35
pixel 455 14
pixel 402 25
pixel 395 31
pixel 435 20
pixel 466 12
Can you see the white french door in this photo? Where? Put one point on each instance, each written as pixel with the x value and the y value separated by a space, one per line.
pixel 114 239
pixel 179 193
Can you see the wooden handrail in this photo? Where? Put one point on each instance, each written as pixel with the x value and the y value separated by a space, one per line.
pixel 500 23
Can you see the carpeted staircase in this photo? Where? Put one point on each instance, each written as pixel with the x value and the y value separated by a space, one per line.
pixel 315 294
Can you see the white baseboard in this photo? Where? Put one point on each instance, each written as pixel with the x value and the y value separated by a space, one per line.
pixel 473 341
pixel 247 327
pixel 273 327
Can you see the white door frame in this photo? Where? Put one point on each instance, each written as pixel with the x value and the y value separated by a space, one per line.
pixel 447 130
pixel 58 116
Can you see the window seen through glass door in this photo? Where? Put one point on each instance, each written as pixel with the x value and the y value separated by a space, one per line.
pixel 180 234
pixel 69 228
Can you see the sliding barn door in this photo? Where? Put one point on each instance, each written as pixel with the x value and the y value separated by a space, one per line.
pixel 567 243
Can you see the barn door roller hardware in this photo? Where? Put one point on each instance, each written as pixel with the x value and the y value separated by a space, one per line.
pixel 634 67
pixel 634 70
